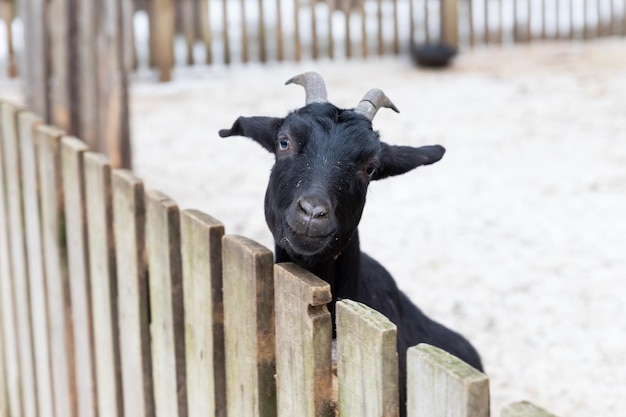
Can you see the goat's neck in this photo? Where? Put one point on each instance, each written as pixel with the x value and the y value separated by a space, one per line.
pixel 340 271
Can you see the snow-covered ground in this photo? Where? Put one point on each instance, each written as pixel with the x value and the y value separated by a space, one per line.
pixel 516 238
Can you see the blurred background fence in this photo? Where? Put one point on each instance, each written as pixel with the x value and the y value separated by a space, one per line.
pixel 75 55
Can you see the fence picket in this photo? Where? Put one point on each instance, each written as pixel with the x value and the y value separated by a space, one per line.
pixel 367 362
pixel 162 37
pixel 524 409
pixel 249 327
pixel 132 288
pixel 201 245
pixel 55 262
pixel 19 264
pixel 166 305
pixel 75 206
pixel 441 384
pixel 28 124
pixel 303 338
pixel 103 283
pixel 10 369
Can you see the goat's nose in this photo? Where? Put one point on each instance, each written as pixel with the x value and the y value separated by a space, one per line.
pixel 313 207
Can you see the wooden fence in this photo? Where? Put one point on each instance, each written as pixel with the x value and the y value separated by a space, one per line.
pixel 113 302
pixel 165 32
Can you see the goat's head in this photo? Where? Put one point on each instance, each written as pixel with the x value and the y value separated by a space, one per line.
pixel 325 159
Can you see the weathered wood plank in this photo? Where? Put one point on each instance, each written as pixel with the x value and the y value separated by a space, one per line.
pixel 249 328
pixel 303 338
pixel 56 267
pixel 132 283
pixel 367 362
pixel 10 370
pixel 19 259
pixel 201 245
pixel 102 272
pixel 524 409
pixel 28 124
pixel 166 305
pixel 75 206
pixel 441 384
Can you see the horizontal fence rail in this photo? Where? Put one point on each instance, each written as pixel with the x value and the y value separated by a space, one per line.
pixel 164 33
pixel 153 311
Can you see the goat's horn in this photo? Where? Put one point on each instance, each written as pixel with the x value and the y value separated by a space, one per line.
pixel 314 86
pixel 372 101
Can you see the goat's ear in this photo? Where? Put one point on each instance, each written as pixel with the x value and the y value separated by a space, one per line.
pixel 396 160
pixel 262 130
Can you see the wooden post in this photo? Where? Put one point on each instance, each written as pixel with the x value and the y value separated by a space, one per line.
pixel 114 140
pixel 89 123
pixel 262 28
pixel 331 38
pixel 102 272
pixel 28 125
pixel 19 259
pixel 132 291
pixel 441 384
pixel 226 38
pixel 249 328
pixel 166 305
pixel 75 206
pixel 205 29
pixel 367 363
pixel 297 55
pixel 363 28
pixel 56 266
pixel 244 32
pixel 162 35
pixel 7 309
pixel 315 44
pixel 188 28
pixel 60 71
pixel 280 54
pixel 201 245
pixel 35 66
pixel 450 22
pixel 524 409
pixel 303 338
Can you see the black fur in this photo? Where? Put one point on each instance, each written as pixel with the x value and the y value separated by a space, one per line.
pixel 325 159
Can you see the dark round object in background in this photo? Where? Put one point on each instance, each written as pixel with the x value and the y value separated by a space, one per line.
pixel 433 55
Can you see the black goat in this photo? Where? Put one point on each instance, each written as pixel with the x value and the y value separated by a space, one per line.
pixel 325 159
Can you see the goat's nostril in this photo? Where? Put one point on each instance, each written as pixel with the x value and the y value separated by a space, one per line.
pixel 313 208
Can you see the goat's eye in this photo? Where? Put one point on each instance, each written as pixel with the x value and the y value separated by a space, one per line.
pixel 369 169
pixel 284 143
